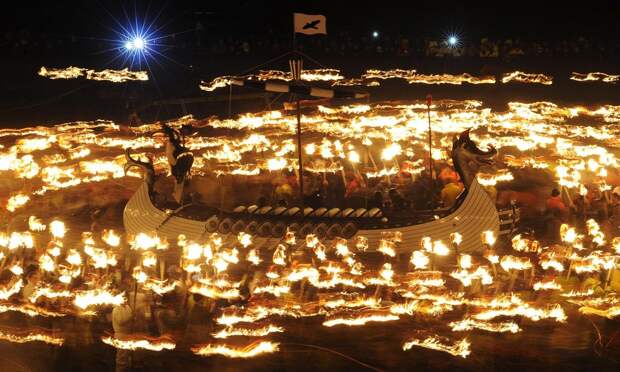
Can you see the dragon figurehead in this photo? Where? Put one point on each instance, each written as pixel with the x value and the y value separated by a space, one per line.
pixel 468 158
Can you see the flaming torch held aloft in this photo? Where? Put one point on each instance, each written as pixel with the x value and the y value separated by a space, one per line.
pixel 488 241
pixel 456 239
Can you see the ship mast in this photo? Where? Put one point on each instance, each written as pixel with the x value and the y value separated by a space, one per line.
pixel 296 65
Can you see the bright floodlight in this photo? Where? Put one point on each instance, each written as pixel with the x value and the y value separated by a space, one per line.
pixel 375 34
pixel 452 40
pixel 135 43
pixel 138 42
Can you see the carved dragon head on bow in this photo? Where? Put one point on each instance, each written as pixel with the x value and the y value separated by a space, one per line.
pixel 468 158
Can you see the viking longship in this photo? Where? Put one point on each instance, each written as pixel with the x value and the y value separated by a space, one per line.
pixel 473 213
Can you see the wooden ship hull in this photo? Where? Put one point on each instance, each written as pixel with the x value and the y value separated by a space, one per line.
pixel 473 215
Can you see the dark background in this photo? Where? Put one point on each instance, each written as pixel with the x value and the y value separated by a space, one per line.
pixel 200 40
pixel 534 19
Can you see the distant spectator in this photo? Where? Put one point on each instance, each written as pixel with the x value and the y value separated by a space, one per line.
pixel 399 203
pixel 354 186
pixel 448 175
pixel 377 200
pixel 614 211
pixel 555 204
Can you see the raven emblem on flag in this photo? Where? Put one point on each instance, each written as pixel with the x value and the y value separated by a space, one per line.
pixel 312 25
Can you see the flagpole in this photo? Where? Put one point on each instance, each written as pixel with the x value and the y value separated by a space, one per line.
pixel 296 64
pixel 294 37
pixel 296 75
pixel 300 163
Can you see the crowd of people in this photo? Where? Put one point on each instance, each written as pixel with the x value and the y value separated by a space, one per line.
pixel 26 41
pixel 408 190
pixel 590 203
pixel 175 314
pixel 403 45
pixel 191 317
pixel 186 314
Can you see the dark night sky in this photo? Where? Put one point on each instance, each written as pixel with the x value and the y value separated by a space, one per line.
pixel 526 19
pixel 83 33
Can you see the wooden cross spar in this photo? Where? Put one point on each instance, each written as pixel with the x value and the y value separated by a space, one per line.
pixel 299 89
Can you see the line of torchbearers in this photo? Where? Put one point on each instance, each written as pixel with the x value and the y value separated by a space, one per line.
pixel 153 307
